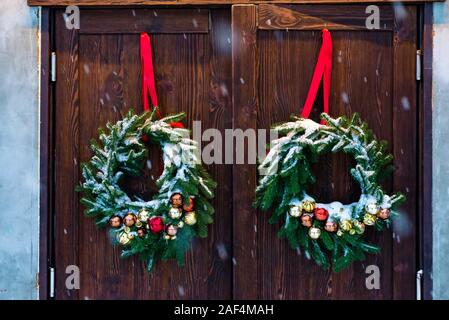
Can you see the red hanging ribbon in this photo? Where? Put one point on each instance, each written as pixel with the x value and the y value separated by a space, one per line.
pixel 323 70
pixel 148 82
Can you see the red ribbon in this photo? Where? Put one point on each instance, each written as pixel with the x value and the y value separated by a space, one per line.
pixel 323 70
pixel 148 82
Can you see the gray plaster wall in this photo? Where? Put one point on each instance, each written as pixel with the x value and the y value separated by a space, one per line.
pixel 440 147
pixel 19 176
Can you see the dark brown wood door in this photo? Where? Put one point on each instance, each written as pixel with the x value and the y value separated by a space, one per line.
pixel 261 81
pixel 98 80
pixel 275 48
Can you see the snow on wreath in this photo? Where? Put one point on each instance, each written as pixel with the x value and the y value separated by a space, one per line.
pixel 162 227
pixel 333 227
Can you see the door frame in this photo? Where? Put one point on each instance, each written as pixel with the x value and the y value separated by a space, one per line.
pixel 46 155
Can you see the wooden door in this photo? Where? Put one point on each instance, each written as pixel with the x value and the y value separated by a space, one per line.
pixel 275 48
pixel 261 81
pixel 98 80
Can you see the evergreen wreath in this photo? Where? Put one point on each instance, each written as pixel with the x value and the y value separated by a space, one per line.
pixel 334 227
pixel 162 227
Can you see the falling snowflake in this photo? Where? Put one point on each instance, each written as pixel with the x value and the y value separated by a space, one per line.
pixel 405 103
pixel 86 68
pixel 222 252
pixel 224 90
pixel 345 98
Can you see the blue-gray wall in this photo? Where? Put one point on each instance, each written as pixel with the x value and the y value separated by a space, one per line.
pixel 440 132
pixel 19 179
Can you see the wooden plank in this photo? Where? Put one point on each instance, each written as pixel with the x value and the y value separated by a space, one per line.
pixel 218 114
pixel 45 160
pixel 405 177
pixel 425 190
pixel 144 20
pixel 104 84
pixel 106 74
pixel 244 100
pixel 307 17
pixel 361 83
pixel 286 62
pixel 201 2
pixel 66 157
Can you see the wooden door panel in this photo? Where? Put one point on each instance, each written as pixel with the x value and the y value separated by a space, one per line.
pixel 98 81
pixel 280 45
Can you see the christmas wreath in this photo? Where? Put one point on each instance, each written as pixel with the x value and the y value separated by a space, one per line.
pixel 333 227
pixel 319 227
pixel 163 226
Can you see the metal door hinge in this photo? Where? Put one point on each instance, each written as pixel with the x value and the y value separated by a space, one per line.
pixel 419 276
pixel 418 64
pixel 53 67
pixel 52 282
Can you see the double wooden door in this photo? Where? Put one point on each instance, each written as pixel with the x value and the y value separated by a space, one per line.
pixel 245 66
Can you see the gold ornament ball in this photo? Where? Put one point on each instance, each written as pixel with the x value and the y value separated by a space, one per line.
pixel 308 206
pixel 190 218
pixel 306 220
pixel 127 229
pixel 295 211
pixel 131 235
pixel 180 224
pixel 143 215
pixel 372 208
pixel 115 221
pixel 330 226
pixel 130 219
pixel 172 230
pixel 175 213
pixel 384 214
pixel 369 219
pixel 138 224
pixel 314 233
pixel 123 238
pixel 346 225
pixel 141 233
pixel 359 227
pixel 176 200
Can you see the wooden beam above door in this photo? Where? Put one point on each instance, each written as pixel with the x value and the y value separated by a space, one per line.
pixel 305 17
pixel 201 2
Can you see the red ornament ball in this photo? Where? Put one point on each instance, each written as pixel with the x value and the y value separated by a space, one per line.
pixel 156 224
pixel 144 138
pixel 189 206
pixel 321 214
